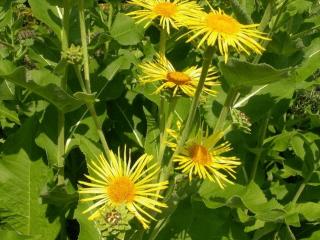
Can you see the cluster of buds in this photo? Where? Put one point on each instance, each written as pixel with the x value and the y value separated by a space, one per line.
pixel 73 54
pixel 114 221
pixel 307 101
pixel 241 120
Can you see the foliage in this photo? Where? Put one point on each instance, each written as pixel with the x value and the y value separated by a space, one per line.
pixel 274 125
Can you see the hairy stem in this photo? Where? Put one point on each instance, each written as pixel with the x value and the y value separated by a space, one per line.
pixel 84 46
pixel 61 117
pixel 163 41
pixel 164 134
pixel 86 79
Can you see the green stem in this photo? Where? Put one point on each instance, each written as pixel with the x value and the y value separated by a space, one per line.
pixel 84 46
pixel 99 130
pixel 79 76
pixel 61 150
pixel 163 41
pixel 164 133
pixel 61 117
pixel 267 15
pixel 301 188
pixel 6 44
pixel 261 137
pixel 86 79
pixel 109 24
pixel 266 21
pixel 291 235
pixel 207 59
pixel 231 95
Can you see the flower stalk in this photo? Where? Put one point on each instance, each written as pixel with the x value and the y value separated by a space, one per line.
pixel 61 117
pixel 164 134
pixel 86 79
pixel 207 59
pixel 231 95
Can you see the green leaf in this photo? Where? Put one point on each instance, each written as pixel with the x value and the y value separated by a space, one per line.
pixel 85 97
pixel 23 175
pixel 90 149
pixel 47 134
pixel 88 229
pixel 152 135
pixel 48 14
pixel 250 197
pixel 125 31
pixel 60 198
pixel 5 13
pixel 311 58
pixel 243 74
pixel 51 92
pixel 10 114
pixel 121 63
pixel 11 235
pixel 314 236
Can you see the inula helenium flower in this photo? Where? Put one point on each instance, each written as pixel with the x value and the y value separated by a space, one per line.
pixel 203 157
pixel 218 27
pixel 118 183
pixel 161 70
pixel 168 12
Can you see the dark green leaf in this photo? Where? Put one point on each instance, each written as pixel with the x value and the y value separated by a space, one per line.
pixel 243 74
pixel 10 114
pixel 51 92
pixel 48 14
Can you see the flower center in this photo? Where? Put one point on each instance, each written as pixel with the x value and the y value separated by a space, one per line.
pixel 121 190
pixel 165 9
pixel 222 23
pixel 178 78
pixel 199 154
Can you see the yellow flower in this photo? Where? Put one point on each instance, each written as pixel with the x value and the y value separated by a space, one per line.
pixel 203 157
pixel 117 183
pixel 168 11
pixel 186 81
pixel 217 26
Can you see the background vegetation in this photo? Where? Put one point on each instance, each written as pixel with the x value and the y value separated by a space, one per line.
pixel 276 136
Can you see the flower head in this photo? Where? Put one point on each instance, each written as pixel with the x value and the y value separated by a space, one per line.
pixel 219 27
pixel 204 157
pixel 161 70
pixel 169 12
pixel 118 183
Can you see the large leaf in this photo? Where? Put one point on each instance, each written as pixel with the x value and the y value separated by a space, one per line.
pixel 51 92
pixel 48 14
pixel 125 31
pixel 23 174
pixel 250 197
pixel 238 73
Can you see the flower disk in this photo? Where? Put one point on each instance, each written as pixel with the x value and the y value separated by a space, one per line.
pixel 168 12
pixel 219 27
pixel 201 156
pixel 118 183
pixel 161 70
